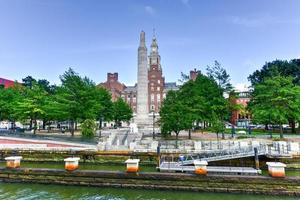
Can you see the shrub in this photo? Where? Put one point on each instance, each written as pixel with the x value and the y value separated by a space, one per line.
pixel 88 128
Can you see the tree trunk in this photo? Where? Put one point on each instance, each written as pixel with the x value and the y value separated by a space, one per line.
pixel 13 126
pixel 100 124
pixel 72 128
pixel 177 133
pixel 293 123
pixel 30 124
pixel 266 127
pixel 190 136
pixel 223 135
pixel 76 126
pixel 44 124
pixel 35 127
pixel 281 131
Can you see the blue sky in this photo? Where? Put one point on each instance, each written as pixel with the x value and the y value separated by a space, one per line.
pixel 43 38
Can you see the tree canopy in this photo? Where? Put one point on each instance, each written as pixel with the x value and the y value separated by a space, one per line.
pixel 76 100
pixel 275 100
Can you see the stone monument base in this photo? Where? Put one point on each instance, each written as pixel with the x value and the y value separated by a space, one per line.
pixel 143 122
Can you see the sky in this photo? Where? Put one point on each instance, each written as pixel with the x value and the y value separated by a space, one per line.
pixel 43 38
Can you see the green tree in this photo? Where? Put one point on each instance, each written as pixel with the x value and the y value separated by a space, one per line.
pixel 199 101
pixel 106 105
pixel 275 100
pixel 8 99
pixel 31 106
pixel 28 81
pixel 217 126
pixel 219 74
pixel 76 98
pixel 174 115
pixel 121 112
pixel 278 68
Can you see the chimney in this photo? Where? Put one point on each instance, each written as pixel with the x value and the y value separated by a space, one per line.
pixel 193 74
pixel 112 77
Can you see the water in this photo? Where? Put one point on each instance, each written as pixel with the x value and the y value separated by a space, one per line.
pixel 24 191
pixel 12 191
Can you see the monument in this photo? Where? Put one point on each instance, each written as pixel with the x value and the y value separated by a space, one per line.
pixel 142 117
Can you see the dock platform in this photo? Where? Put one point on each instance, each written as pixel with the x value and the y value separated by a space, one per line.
pixel 177 167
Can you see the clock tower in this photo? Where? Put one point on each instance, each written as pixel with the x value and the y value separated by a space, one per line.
pixel 156 80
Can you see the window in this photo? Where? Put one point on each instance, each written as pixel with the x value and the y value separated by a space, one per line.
pixel 152 107
pixel 134 100
pixel 152 97
pixel 158 97
pixel 158 88
pixel 152 88
pixel 164 95
pixel 158 81
pixel 152 84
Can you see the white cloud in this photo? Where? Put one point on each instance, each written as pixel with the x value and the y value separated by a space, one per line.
pixel 260 20
pixel 150 10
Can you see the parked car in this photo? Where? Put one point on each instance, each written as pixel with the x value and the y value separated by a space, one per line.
pixel 229 125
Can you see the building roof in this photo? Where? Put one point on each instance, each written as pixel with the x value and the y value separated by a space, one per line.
pixel 171 86
pixel 7 83
pixel 130 89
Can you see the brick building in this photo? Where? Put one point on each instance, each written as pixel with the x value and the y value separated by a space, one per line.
pixel 113 85
pixel 6 83
pixel 241 118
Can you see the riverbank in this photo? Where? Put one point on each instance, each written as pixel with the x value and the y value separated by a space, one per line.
pixel 153 180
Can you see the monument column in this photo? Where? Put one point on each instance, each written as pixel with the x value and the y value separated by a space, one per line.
pixel 142 83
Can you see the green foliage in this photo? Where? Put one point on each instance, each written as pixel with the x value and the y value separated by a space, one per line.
pixel 28 82
pixel 197 101
pixel 8 99
pixel 219 74
pixel 104 112
pixel 121 111
pixel 275 101
pixel 277 68
pixel 88 128
pixel 32 104
pixel 174 115
pixel 76 100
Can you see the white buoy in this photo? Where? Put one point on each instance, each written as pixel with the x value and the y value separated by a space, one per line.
pixel 132 165
pixel 276 169
pixel 13 161
pixel 200 167
pixel 71 163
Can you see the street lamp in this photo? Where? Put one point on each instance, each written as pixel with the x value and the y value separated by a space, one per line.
pixel 100 125
pixel 153 131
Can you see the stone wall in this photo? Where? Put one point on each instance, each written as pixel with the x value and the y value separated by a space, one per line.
pixel 170 181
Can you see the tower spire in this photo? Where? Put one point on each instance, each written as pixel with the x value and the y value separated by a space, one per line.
pixel 142 39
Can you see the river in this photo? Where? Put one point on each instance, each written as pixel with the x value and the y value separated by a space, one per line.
pixel 24 191
pixel 12 191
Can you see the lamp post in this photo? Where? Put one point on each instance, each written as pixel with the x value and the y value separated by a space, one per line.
pixel 153 131
pixel 100 125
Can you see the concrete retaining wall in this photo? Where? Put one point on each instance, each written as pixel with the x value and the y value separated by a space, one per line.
pixel 170 181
